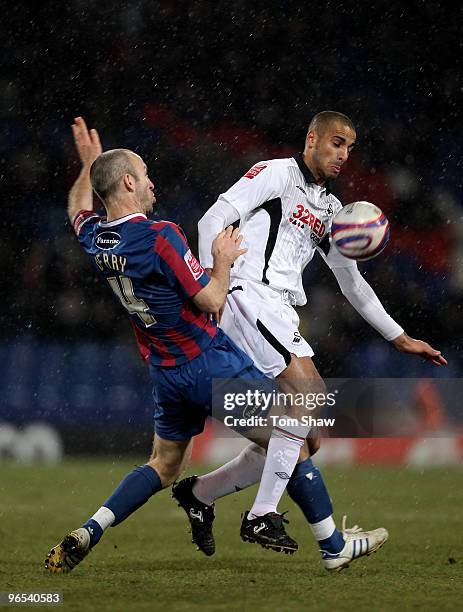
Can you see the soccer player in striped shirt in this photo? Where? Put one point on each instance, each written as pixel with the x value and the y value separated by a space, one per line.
pixel 168 295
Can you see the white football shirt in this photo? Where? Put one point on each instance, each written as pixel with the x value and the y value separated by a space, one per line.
pixel 284 216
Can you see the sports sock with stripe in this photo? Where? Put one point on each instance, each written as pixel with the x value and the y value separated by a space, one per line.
pixel 308 490
pixel 282 455
pixel 306 487
pixel 133 491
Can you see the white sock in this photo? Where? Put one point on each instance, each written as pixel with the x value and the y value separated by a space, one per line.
pixel 282 455
pixel 239 473
pixel 323 529
pixel 104 517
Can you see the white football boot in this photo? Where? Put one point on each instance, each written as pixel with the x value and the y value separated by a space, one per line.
pixel 358 544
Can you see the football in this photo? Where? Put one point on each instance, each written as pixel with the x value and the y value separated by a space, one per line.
pixel 360 231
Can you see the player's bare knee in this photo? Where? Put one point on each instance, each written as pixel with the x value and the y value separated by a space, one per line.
pixel 169 458
pixel 170 477
pixel 168 472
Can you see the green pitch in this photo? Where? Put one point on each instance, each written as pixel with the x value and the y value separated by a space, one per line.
pixel 148 562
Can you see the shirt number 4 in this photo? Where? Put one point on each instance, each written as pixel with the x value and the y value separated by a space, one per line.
pixel 123 288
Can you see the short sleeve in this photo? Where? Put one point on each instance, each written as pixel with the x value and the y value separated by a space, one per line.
pixel 177 263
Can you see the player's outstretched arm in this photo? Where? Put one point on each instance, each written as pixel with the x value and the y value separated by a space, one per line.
pixel 366 302
pixel 88 147
pixel 405 344
pixel 225 250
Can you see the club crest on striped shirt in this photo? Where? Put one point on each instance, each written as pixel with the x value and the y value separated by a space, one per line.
pixel 193 264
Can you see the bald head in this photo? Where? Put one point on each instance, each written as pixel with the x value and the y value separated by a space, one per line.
pixel 323 120
pixel 109 168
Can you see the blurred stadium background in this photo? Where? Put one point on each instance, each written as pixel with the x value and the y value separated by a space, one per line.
pixel 202 91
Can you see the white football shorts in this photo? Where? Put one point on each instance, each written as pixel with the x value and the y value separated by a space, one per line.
pixel 264 324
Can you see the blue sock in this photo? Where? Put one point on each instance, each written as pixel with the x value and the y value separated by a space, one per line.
pixel 95 531
pixel 134 490
pixel 308 490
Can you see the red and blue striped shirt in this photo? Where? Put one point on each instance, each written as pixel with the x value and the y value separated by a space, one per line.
pixel 153 272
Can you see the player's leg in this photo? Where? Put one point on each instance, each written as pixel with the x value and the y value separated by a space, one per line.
pixel 196 495
pixel 269 333
pixel 224 360
pixel 265 326
pixel 165 465
pixel 307 489
pixel 239 473
pixel 305 486
pixel 309 492
pixel 286 441
pixel 169 458
pixel 285 448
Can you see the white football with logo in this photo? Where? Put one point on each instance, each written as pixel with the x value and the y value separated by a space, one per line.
pixel 360 231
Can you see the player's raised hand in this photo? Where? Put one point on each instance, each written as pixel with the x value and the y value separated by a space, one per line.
pixel 87 142
pixel 226 245
pixel 405 344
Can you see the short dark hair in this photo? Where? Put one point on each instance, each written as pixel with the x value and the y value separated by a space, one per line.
pixel 321 121
pixel 107 170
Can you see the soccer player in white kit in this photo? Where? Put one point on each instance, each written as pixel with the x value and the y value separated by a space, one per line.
pixel 285 209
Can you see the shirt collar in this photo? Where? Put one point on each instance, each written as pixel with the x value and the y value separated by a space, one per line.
pixel 121 219
pixel 309 177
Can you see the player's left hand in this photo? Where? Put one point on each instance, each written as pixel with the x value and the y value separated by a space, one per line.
pixel 405 344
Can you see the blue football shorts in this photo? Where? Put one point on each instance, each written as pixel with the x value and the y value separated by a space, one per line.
pixel 183 394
